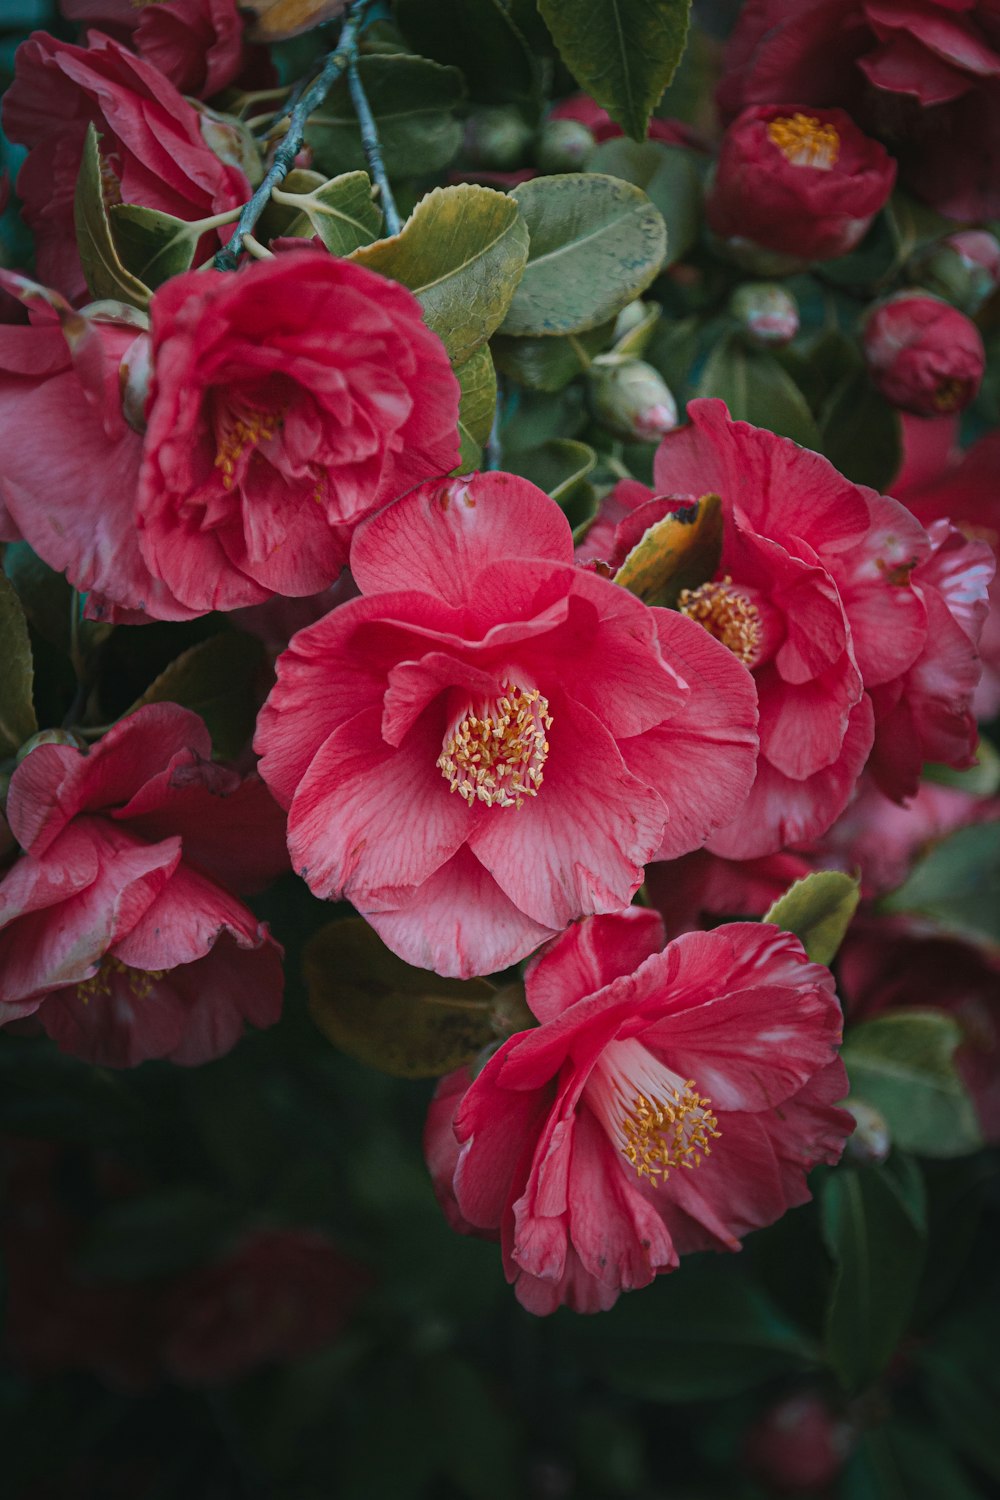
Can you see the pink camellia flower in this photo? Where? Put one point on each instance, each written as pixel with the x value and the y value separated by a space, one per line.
pixel 118 924
pixel 815 594
pixel 924 75
pixel 923 355
pixel 803 185
pixel 197 44
pixel 898 962
pixel 279 1295
pixel 288 401
pixel 799 1444
pixel 491 741
pixel 77 377
pixel 152 146
pixel 668 1102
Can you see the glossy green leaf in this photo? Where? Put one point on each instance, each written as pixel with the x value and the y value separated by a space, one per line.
pixel 559 467
pixel 342 212
pixel 861 432
pixel 462 253
pixel 17 711
pixel 480 38
pixel 878 1253
pixel 151 245
pixel 404 1021
pixel 549 364
pixel 48 600
pixel 106 276
pixel 680 552
pixel 903 1063
pixel 477 406
pixel 756 389
pixel 622 52
pixel 596 243
pixel 957 884
pixel 818 910
pixel 412 100
pixel 218 679
pixel 671 176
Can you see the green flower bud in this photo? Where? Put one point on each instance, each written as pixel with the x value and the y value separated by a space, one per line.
pixel 563 146
pixel 964 268
pixel 631 399
pixel 497 138
pixel 872 1139
pixel 50 737
pixel 769 315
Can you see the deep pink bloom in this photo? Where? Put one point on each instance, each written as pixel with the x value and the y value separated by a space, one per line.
pixel 72 495
pixel 597 120
pixel 288 401
pixel 799 1444
pixel 716 1055
pixel 897 962
pixel 197 44
pixel 151 142
pixel 802 184
pixel 698 889
pixel 480 661
pixel 923 355
pixel 279 1295
pixel 814 593
pixel 922 74
pixel 119 924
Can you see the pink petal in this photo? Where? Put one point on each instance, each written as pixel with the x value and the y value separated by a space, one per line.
pixel 588 956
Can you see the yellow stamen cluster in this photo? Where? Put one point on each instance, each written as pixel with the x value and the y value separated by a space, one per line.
pixel 241 433
pixel 102 985
pixel 727 615
pixel 497 756
pixel 805 141
pixel 661 1134
pixel 950 394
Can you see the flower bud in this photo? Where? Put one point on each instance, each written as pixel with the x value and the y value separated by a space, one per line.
pixel 497 138
pixel 563 146
pixel 923 355
pixel 50 737
pixel 799 1445
pixel 964 268
pixel 872 1140
pixel 631 399
pixel 768 314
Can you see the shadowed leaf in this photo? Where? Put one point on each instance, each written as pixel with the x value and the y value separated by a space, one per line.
pixel 106 276
pixel 217 679
pixel 17 713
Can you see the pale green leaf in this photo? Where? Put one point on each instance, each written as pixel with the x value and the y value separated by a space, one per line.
pixel 818 910
pixel 105 274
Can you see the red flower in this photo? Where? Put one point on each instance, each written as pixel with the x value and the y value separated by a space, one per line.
pixel 582 731
pixel 588 112
pixel 803 185
pixel 151 143
pixel 716 1055
pixel 118 924
pixel 923 74
pixel 923 355
pixel 799 1444
pixel 197 44
pixel 288 401
pixel 281 1294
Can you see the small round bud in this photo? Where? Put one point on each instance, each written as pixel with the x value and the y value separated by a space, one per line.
pixel 923 354
pixel 50 737
pixel 963 268
pixel 799 1445
pixel 768 314
pixel 872 1140
pixel 631 399
pixel 497 138
pixel 563 146
pixel 134 375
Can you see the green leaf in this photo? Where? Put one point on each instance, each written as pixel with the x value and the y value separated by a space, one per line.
pixel 559 467
pixel 818 910
pixel 17 710
pixel 48 600
pixel 861 432
pixel 671 176
pixel 957 884
pixel 480 38
pixel 963 1386
pixel 756 389
pixel 878 1252
pixel 462 253
pixel 477 406
pixel 151 245
pixel 899 1461
pixel 217 679
pixel 903 1063
pixel 413 102
pixel 981 780
pixel 105 274
pixel 596 243
pixel 342 212
pixel 622 52
pixel 680 552
pixel 405 1021
pixel 549 364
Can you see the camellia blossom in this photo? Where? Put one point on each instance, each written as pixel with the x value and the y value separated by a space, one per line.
pixel 923 355
pixel 152 146
pixel 803 184
pixel 197 44
pixel 491 741
pixel 288 401
pixel 119 924
pixel 668 1102
pixel 833 597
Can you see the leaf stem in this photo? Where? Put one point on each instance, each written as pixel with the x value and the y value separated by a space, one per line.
pixel 372 146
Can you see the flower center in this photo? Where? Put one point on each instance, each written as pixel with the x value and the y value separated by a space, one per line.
pixel 112 975
pixel 727 614
pixel 495 752
pixel 655 1118
pixel 805 141
pixel 241 430
pixel 950 394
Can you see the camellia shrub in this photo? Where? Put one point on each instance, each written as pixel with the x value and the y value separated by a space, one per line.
pixel 499 807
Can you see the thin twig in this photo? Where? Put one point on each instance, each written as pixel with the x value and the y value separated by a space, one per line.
pixel 372 146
